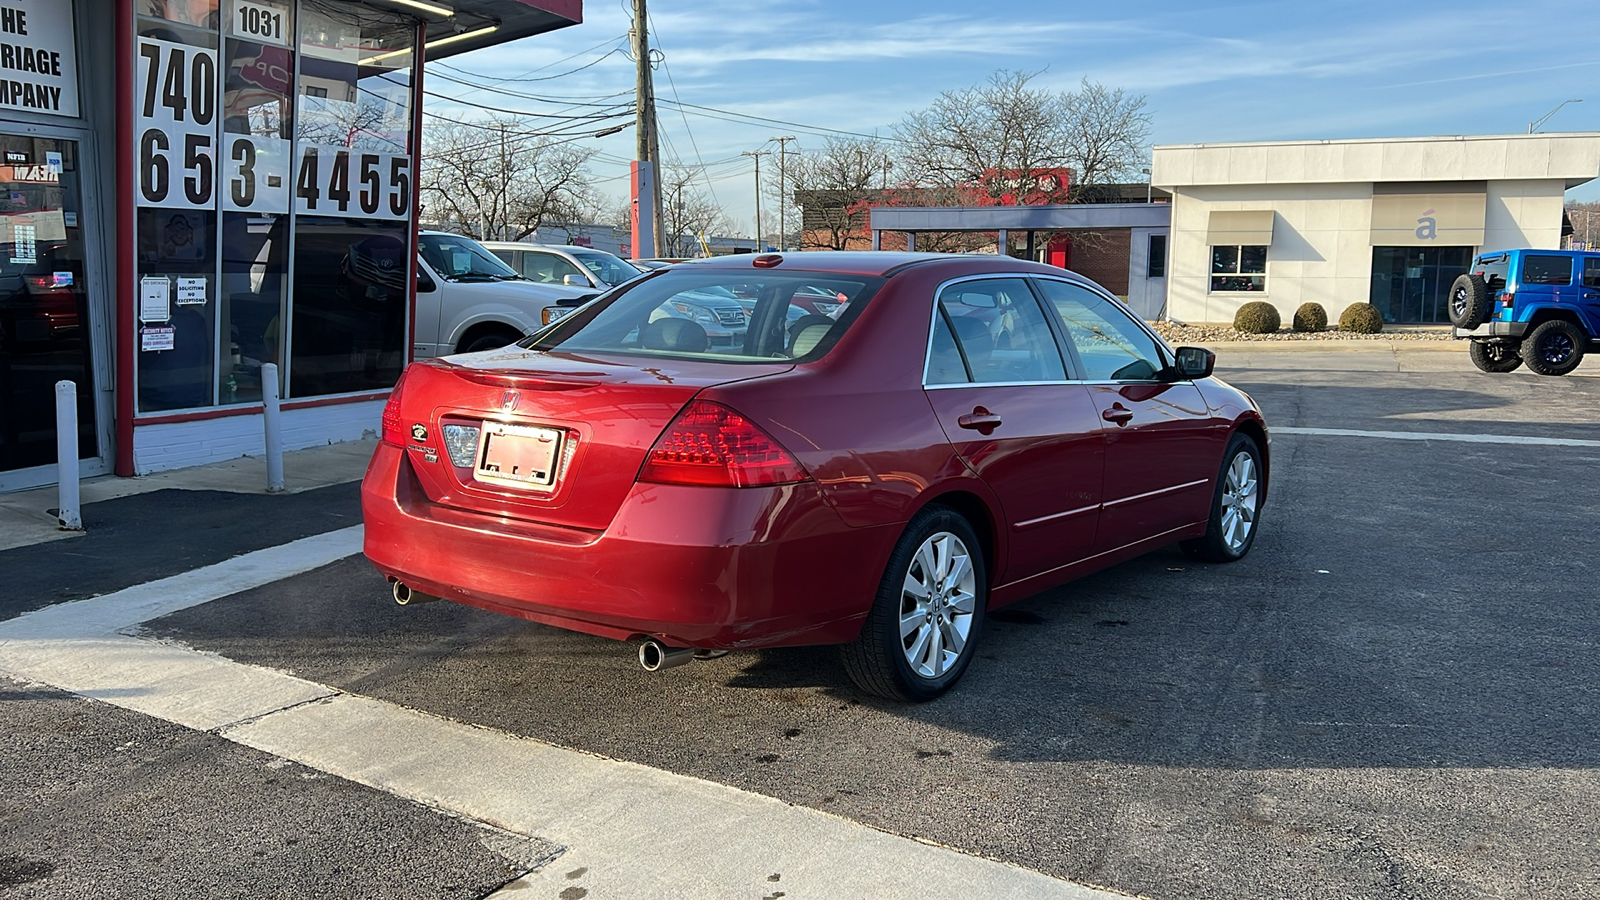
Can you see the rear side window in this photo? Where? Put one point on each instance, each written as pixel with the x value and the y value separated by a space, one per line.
pixel 1000 332
pixel 734 316
pixel 1546 270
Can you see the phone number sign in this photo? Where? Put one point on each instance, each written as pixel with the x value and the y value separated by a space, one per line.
pixel 186 161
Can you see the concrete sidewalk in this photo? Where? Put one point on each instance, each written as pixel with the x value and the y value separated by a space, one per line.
pixel 28 517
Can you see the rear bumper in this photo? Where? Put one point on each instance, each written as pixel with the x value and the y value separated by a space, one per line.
pixel 1494 329
pixel 717 568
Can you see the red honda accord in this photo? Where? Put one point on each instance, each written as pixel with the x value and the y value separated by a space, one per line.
pixel 960 433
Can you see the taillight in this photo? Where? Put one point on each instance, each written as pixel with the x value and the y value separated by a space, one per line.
pixel 394 431
pixel 710 444
pixel 1508 299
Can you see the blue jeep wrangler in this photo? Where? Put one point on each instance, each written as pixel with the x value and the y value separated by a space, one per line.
pixel 1540 307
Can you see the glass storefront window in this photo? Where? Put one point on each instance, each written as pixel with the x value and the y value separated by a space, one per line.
pixel 1411 285
pixel 203 13
pixel 350 305
pixel 275 198
pixel 177 256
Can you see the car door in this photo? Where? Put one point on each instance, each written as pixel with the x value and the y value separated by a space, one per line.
pixel 997 381
pixel 1163 450
pixel 1590 298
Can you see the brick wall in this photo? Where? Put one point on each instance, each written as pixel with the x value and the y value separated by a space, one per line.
pixel 1102 257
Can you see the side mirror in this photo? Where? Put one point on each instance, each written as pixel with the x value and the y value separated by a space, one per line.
pixel 576 281
pixel 424 283
pixel 1194 362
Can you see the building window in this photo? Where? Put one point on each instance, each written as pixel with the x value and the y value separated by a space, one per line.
pixel 1156 261
pixel 1236 269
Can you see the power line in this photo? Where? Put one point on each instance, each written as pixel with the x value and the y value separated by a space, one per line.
pixel 817 129
pixel 672 83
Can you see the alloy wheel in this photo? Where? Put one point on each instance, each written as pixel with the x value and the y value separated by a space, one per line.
pixel 937 602
pixel 1240 497
pixel 1556 348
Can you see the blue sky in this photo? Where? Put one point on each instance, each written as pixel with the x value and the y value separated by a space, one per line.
pixel 1209 72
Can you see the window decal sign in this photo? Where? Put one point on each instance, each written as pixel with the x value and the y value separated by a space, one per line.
pixel 38 62
pixel 349 181
pixel 176 103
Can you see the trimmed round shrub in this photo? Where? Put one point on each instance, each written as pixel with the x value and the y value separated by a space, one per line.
pixel 1361 318
pixel 1310 317
pixel 1256 317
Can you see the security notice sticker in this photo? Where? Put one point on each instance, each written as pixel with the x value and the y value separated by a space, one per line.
pixel 159 337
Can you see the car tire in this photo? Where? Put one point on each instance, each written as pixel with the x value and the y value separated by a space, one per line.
pixel 1235 506
pixel 1469 301
pixel 490 341
pixel 1555 347
pixel 933 594
pixel 1495 358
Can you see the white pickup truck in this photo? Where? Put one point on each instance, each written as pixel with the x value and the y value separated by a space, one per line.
pixel 468 300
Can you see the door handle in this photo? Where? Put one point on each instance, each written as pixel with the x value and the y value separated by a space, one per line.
pixel 1118 413
pixel 979 420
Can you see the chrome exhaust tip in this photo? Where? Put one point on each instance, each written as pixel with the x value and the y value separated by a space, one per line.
pixel 655 656
pixel 405 596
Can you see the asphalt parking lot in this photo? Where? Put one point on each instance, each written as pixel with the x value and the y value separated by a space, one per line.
pixel 1394 695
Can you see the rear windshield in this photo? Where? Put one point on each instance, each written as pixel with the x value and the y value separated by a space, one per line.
pixel 737 316
pixel 1494 270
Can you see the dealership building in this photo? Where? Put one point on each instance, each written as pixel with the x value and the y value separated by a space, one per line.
pixel 191 189
pixel 1389 221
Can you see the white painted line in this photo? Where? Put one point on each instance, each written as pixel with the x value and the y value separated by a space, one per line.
pixel 638 831
pixel 1438 436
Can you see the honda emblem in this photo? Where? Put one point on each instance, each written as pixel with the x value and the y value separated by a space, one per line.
pixel 508 401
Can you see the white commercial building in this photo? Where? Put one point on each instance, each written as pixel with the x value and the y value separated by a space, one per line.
pixel 1389 221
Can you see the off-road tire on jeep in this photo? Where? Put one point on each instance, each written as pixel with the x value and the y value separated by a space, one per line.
pixel 1469 301
pixel 1555 347
pixel 1495 358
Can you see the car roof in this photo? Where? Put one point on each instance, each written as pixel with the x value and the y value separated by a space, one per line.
pixel 875 263
pixel 559 248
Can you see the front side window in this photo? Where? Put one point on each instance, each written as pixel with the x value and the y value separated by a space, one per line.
pixel 1000 333
pixel 1591 272
pixel 609 269
pixel 1110 344
pixel 463 259
pixel 1546 270
pixel 547 268
pixel 1238 269
pixel 733 316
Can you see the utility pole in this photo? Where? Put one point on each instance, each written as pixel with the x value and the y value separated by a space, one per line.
pixel 761 245
pixel 647 149
pixel 783 202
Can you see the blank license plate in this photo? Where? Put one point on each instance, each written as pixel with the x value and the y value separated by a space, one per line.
pixel 519 454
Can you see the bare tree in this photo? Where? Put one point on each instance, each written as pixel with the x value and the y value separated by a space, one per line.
pixel 836 187
pixel 993 138
pixel 687 212
pixel 496 180
pixel 1106 134
pixel 1585 221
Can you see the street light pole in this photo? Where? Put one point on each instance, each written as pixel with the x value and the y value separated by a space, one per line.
pixel 1546 117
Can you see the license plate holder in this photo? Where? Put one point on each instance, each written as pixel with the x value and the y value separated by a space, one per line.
pixel 519 455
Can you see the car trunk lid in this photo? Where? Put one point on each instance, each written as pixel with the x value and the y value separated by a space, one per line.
pixel 546 436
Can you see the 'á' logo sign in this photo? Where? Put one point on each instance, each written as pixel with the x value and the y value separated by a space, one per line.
pixel 1427 226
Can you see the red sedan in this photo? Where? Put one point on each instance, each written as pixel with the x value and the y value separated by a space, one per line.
pixel 968 431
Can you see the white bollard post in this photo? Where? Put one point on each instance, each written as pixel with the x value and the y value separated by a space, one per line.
pixel 270 413
pixel 68 516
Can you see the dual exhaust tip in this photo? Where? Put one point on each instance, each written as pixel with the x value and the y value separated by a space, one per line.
pixel 654 656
